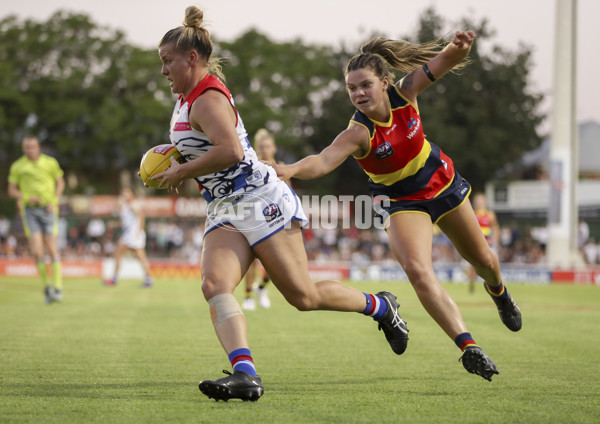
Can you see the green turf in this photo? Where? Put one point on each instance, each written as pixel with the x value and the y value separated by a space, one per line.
pixel 128 355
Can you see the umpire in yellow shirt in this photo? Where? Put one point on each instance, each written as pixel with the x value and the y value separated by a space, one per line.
pixel 36 181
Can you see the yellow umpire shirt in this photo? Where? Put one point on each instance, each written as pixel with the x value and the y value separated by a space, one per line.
pixel 36 178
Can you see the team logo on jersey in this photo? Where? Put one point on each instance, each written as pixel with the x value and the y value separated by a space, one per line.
pixel 384 150
pixel 271 212
pixel 256 176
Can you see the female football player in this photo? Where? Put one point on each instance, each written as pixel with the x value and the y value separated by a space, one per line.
pixel 418 180
pixel 488 222
pixel 264 145
pixel 133 237
pixel 250 213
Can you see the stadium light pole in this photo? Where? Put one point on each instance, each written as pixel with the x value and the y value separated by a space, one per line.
pixel 563 212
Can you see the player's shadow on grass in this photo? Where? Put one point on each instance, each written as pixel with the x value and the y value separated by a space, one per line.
pixel 351 386
pixel 131 390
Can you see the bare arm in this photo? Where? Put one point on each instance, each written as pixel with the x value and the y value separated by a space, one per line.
pixel 353 140
pixel 137 209
pixel 60 186
pixel 454 52
pixel 212 114
pixel 13 191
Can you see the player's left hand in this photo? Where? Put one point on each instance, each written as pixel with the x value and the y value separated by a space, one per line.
pixel 169 177
pixel 463 39
pixel 283 170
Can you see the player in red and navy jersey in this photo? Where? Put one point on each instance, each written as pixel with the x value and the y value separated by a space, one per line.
pixel 417 180
pixel 250 213
pixel 488 222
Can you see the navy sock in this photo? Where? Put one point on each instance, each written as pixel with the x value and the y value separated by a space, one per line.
pixel 464 341
pixel 376 306
pixel 241 360
pixel 496 290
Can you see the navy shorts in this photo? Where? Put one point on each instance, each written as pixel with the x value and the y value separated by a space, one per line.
pixel 436 208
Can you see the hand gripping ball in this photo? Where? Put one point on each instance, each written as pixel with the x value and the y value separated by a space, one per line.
pixel 157 160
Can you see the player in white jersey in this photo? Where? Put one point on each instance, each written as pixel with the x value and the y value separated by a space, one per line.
pixel 251 213
pixel 133 236
pixel 264 145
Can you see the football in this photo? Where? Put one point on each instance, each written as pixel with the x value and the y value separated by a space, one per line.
pixel 157 160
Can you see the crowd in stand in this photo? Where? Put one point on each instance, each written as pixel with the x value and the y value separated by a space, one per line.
pixel 92 237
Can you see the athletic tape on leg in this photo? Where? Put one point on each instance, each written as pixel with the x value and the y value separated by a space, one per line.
pixel 222 307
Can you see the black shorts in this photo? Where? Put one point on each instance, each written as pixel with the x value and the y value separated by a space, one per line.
pixel 436 208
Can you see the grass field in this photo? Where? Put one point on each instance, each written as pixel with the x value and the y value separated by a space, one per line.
pixel 129 355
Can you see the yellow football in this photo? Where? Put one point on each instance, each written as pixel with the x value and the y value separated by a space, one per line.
pixel 157 160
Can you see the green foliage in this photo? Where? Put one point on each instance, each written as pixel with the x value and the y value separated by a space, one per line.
pixel 125 355
pixel 98 103
pixel 485 116
pixel 279 85
pixel 95 101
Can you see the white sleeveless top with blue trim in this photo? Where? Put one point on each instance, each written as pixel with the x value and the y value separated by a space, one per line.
pixel 191 143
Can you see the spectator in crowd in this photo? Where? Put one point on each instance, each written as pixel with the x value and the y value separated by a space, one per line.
pixel 4 233
pixel 96 229
pixel 591 252
pixel 583 233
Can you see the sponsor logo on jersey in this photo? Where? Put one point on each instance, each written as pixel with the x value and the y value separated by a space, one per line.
pixel 414 125
pixel 384 150
pixel 163 149
pixel 182 126
pixel 388 132
pixel 271 212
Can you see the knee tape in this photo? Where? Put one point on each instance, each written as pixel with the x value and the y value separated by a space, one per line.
pixel 223 307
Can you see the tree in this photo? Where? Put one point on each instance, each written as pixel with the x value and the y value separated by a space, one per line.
pixel 483 118
pixel 280 86
pixel 99 103
pixel 96 102
pixel 295 90
pixel 486 116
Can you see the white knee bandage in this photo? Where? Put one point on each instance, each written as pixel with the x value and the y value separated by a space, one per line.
pixel 223 307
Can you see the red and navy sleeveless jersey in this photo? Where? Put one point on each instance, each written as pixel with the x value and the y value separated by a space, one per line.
pixel 401 163
pixel 483 218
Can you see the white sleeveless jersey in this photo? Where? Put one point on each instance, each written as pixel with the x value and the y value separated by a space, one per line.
pixel 132 233
pixel 191 143
pixel 130 221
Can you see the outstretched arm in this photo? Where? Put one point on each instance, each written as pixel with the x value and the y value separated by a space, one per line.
pixel 454 52
pixel 351 141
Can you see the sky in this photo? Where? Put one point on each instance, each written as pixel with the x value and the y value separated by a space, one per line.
pixel 531 22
